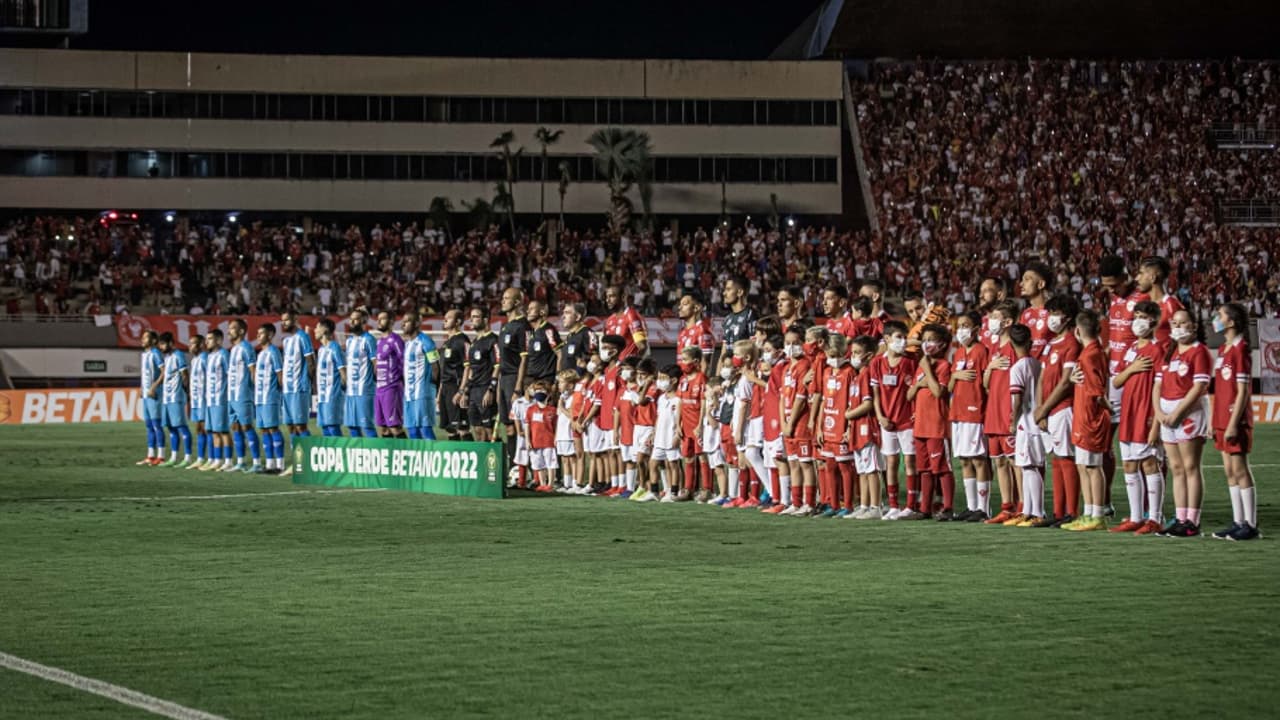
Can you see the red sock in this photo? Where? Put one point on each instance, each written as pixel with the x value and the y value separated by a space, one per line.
pixel 1059 488
pixel 690 476
pixel 846 484
pixel 745 480
pixel 948 482
pixel 892 489
pixel 755 487
pixel 913 491
pixel 809 492
pixel 775 485
pixel 926 493
pixel 522 479
pixel 1007 507
pixel 708 480
pixel 1071 487
pixel 824 484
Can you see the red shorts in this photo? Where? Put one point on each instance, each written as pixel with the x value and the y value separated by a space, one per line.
pixel 727 446
pixel 839 452
pixel 999 446
pixel 1241 444
pixel 798 448
pixel 933 455
pixel 690 444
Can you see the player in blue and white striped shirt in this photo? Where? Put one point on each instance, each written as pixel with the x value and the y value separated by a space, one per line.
pixel 152 365
pixel 299 366
pixel 331 375
pixel 217 419
pixel 421 374
pixel 196 345
pixel 361 356
pixel 267 398
pixel 241 365
pixel 173 400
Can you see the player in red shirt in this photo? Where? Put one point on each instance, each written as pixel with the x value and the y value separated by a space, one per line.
pixel 1232 421
pixel 993 290
pixel 624 425
pixel 1119 335
pixel 891 376
pixel 1183 414
pixel 1153 273
pixel 690 390
pixel 774 359
pixel 815 349
pixel 1057 360
pixel 835 306
pixel 864 431
pixel 696 333
pixel 1137 431
pixel 541 420
pixel 1090 421
pixel 790 303
pixel 864 322
pixel 929 394
pixel 967 412
pixel 996 420
pixel 839 394
pixel 643 396
pixel 1037 282
pixel 600 441
pixel 797 433
pixel 625 322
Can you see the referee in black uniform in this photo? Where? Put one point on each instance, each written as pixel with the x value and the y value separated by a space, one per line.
pixel 479 384
pixel 453 363
pixel 578 342
pixel 544 344
pixel 513 344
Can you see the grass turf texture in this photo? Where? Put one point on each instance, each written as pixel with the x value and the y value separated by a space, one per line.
pixel 392 605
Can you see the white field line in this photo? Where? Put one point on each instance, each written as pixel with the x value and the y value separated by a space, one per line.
pixel 1252 465
pixel 227 496
pixel 153 705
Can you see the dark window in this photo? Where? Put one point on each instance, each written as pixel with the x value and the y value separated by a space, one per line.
pixel 744 169
pixel 409 108
pixel 522 110
pixel 295 107
pixel 551 110
pixel 580 111
pixel 352 108
pixel 464 110
pixel 437 110
pixel 799 170
pixel 733 112
pixel 637 112
pixel 236 106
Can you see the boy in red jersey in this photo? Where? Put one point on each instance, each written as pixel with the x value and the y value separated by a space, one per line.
pixel 864 431
pixel 593 443
pixel 815 348
pixel 891 376
pixel 1114 278
pixel 1138 450
pixel 541 418
pixel 748 423
pixel 1232 420
pixel 967 411
pixel 1028 441
pixel 1182 412
pixel 774 358
pixel 690 389
pixel 992 291
pixel 624 425
pixel 1090 421
pixel 644 411
pixel 839 391
pixel 797 433
pixel 996 419
pixel 1053 416
pixel 930 395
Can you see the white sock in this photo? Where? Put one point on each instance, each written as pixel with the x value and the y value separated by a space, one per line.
pixel 984 496
pixel 1237 504
pixel 1249 501
pixel 1032 492
pixel 567 480
pixel 1090 510
pixel 733 482
pixel 1155 497
pixel 1133 488
pixel 970 494
pixel 631 478
pixel 784 483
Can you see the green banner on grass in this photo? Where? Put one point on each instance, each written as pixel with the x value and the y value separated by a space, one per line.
pixel 469 469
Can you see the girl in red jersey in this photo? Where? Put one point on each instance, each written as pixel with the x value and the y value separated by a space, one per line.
pixel 864 432
pixel 929 394
pixel 891 376
pixel 1138 430
pixel 997 419
pixel 1232 421
pixel 839 394
pixel 797 433
pixel 1182 411
pixel 968 409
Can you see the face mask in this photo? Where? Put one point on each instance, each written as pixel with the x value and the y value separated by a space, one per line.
pixel 1179 334
pixel 592 366
pixel 994 326
pixel 737 361
pixel 664 385
pixel 834 362
pixel 964 335
pixel 1056 322
pixel 794 351
pixel 898 345
pixel 1141 326
pixel 1218 325
pixel 540 397
pixel 930 347
pixel 606 355
pixel 767 358
pixel 626 373
pixel 857 362
pixel 809 348
pixel 726 373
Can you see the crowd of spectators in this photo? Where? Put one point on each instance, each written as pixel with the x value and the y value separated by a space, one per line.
pixel 974 169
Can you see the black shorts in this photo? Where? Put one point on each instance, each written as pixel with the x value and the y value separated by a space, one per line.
pixel 506 389
pixel 479 416
pixel 452 417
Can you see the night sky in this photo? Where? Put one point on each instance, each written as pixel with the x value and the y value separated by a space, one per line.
pixel 745 29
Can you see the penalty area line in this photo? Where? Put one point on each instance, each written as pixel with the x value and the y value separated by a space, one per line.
pixel 224 496
pixel 123 695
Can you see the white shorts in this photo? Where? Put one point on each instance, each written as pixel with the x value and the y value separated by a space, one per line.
pixel 663 454
pixel 522 451
pixel 868 460
pixel 1057 439
pixel 1194 425
pixel 565 448
pixel 597 440
pixel 893 442
pixel 711 438
pixel 755 433
pixel 772 450
pixel 628 452
pixel 642 439
pixel 1088 459
pixel 968 440
pixel 1134 451
pixel 1028 445
pixel 543 459
pixel 715 458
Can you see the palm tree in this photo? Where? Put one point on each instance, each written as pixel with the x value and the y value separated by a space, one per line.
pixel 565 179
pixel 503 144
pixel 440 210
pixel 624 158
pixel 503 202
pixel 546 138
pixel 481 212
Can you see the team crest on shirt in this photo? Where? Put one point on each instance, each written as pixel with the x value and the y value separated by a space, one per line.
pixel 1183 369
pixel 1226 373
pixel 571 349
pixel 1040 323
pixel 537 346
pixel 612 385
pixel 506 339
pixel 829 423
pixel 1130 305
pixel 1053 358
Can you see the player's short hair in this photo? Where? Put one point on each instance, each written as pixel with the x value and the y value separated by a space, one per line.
pixel 672 371
pixel 693 351
pixel 1065 304
pixel 166 337
pixel 1112 266
pixel 1020 336
pixel 816 333
pixel 239 323
pixel 1150 308
pixel 217 333
pixel 325 323
pixel 578 308
pixel 973 316
pixel 714 382
pixel 746 348
pixel 775 339
pixel 693 295
pixel 614 341
pixel 893 326
pixel 155 336
pixel 912 295
pixel 1087 322
pixel 268 328
pixel 866 343
pixel 798 328
pixel 1006 307
pixel 631 362
pixel 195 339
pixel 1001 284
pixel 482 309
pixel 837 343
pixel 1160 264
pixel 739 280
pixel 1240 317
pixel 769 325
pixel 647 366
pixel 289 312
pixel 862 305
pixel 794 291
pixel 1045 273
pixel 569 376
pixel 838 290
pixel 939 331
pixel 873 283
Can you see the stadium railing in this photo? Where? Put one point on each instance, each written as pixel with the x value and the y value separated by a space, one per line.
pixel 33 317
pixel 1231 136
pixel 1249 213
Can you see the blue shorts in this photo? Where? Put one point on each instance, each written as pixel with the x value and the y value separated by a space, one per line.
pixel 268 416
pixel 359 411
pixel 175 415
pixel 216 419
pixel 297 408
pixel 242 414
pixel 197 414
pixel 415 414
pixel 150 409
pixel 330 413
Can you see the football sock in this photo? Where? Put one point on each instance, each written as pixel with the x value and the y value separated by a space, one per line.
pixel 784 486
pixel 733 482
pixel 1133 488
pixel 971 493
pixel 370 432
pixel 202 445
pixel 185 432
pixel 413 433
pixel 1071 485
pixel 1155 496
pixel 254 449
pixel 893 495
pixel 913 490
pixel 948 481
pixel 277 444
pixel 808 492
pixel 1193 515
pixel 237 441
pixel 1237 504
pixel 984 496
pixel 427 433
pixel 926 492
pixel 174 439
pixel 1032 492
pixel 846 484
pixel 775 482
pixel 1108 472
pixel 353 431
pixel 631 479
pixel 1249 503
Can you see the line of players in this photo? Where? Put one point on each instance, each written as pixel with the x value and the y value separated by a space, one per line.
pixel 806 420
pixel 239 397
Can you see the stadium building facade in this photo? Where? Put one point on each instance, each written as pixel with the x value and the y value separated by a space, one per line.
pixel 194 131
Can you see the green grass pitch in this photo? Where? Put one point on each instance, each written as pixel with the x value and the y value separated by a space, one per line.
pixel 390 605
